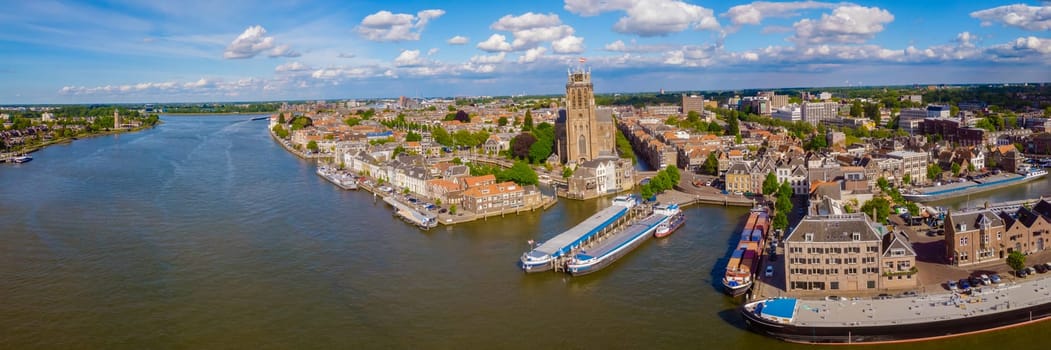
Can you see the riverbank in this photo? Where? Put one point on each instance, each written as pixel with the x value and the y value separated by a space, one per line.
pixel 66 140
pixel 196 114
pixel 288 147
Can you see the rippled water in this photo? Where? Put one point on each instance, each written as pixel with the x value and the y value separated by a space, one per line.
pixel 204 233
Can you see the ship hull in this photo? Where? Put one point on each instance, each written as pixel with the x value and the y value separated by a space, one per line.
pixel 584 269
pixel 896 332
pixel 736 291
pixel 676 223
pixel 923 198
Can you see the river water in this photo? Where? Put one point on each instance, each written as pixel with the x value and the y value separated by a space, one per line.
pixel 204 233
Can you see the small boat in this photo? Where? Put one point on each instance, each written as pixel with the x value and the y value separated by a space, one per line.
pixel 674 223
pixel 21 159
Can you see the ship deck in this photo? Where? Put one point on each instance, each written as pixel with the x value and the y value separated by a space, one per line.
pixel 618 239
pixel 923 308
pixel 960 186
pixel 562 243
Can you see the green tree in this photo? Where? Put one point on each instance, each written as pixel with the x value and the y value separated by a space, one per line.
pixel 567 172
pixel 502 121
pixel 732 127
pixel 913 208
pixel 527 124
pixel 457 161
pixel 398 150
pixel 780 221
pixel 280 118
pixel 521 173
pixel 1016 260
pixel 280 131
pixel 770 185
pixel 934 171
pixel 352 121
pixel 413 137
pixel 646 191
pixel 312 146
pixel 711 164
pixel 442 137
pixel 882 207
pixel 673 174
pixel 970 167
pixel 452 209
pixel 907 179
pixel 955 169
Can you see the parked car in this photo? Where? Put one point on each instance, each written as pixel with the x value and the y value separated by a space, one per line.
pixel 995 279
pixel 985 279
pixel 975 281
pixel 769 270
pixel 951 285
pixel 965 286
pixel 1030 270
pixel 1040 268
pixel 834 298
pixel 1021 273
pixel 1048 265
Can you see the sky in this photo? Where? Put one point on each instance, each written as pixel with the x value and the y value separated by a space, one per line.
pixel 124 51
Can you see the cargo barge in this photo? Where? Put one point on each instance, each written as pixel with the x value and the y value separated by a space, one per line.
pixel 743 260
pixel 969 187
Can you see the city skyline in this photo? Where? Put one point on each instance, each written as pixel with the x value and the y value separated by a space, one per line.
pixel 125 51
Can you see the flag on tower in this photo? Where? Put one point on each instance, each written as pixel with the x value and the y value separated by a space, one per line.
pixel 582 60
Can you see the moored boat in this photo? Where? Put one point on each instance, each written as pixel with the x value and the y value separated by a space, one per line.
pixel 676 220
pixel 906 318
pixel 743 260
pixel 543 256
pixel 21 159
pixel 605 252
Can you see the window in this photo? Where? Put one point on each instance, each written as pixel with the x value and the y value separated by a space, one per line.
pixel 999 236
pixel 808 237
pixel 856 236
pixel 897 252
pixel 963 241
pixel 833 285
pixel 871 284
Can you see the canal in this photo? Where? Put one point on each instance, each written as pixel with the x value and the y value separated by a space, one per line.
pixel 204 233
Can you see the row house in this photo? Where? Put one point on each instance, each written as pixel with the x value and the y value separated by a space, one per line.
pixel 846 252
pixel 739 178
pixel 601 176
pixel 791 170
pixel 1026 231
pixel 913 164
pixel 445 191
pixel 500 196
pixel 1006 157
pixel 972 237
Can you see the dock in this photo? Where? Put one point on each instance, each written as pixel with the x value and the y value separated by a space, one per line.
pixel 552 253
pixel 408 213
pixel 608 249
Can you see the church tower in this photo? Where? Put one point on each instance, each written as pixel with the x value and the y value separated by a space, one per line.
pixel 589 133
pixel 116 119
pixel 580 117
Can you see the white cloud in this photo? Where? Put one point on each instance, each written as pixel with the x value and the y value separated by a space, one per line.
pixel 528 20
pixel 755 12
pixel 409 58
pixel 250 43
pixel 1024 47
pixel 337 73
pixel 750 56
pixel 1035 18
pixel 172 88
pixel 346 55
pixel 458 40
pixel 481 68
pixel 616 46
pixel 649 17
pixel 495 43
pixel 291 67
pixel 283 51
pixel 432 51
pixel 530 29
pixel 675 58
pixel 847 24
pixel 387 26
pixel 528 38
pixel 569 44
pixel 532 55
pixel 497 58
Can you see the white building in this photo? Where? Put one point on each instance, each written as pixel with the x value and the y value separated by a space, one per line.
pixel 790 113
pixel 815 112
pixel 909 119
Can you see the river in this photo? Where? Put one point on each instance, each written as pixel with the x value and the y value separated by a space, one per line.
pixel 204 233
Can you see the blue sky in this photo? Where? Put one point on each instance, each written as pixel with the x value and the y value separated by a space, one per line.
pixel 187 51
